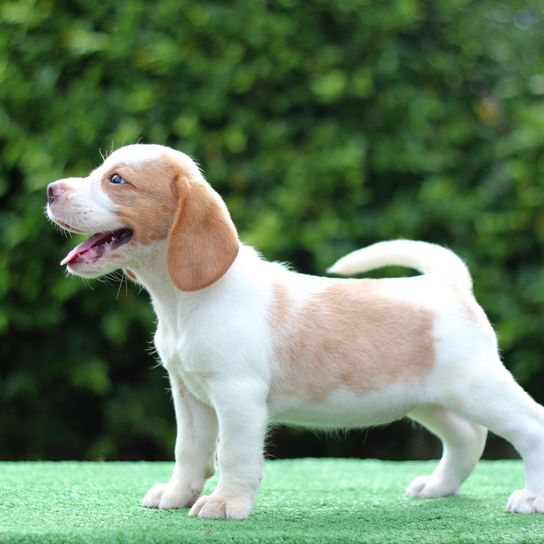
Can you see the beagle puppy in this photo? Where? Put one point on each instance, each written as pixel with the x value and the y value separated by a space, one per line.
pixel 247 342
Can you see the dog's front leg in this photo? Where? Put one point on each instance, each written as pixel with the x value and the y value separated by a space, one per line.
pixel 242 415
pixel 195 448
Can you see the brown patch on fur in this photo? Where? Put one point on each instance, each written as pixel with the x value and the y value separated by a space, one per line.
pixel 161 200
pixel 349 336
pixel 203 241
pixel 148 202
pixel 130 275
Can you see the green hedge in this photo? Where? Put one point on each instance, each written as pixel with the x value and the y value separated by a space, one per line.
pixel 325 125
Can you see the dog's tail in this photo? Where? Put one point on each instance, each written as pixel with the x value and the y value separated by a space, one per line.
pixel 422 256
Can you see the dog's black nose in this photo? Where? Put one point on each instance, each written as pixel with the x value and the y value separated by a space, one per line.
pixel 54 190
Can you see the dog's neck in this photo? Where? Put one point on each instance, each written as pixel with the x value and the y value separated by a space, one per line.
pixel 172 305
pixel 151 271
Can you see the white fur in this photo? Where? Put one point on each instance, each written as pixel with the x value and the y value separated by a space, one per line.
pixel 90 209
pixel 216 345
pixel 425 257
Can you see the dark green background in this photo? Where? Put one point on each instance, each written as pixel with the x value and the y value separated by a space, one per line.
pixel 325 125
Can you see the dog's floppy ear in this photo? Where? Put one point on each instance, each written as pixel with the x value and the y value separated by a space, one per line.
pixel 202 241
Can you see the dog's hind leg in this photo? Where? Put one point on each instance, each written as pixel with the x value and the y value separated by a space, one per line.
pixel 492 398
pixel 463 443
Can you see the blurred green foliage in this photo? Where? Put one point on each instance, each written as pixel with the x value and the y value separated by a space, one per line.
pixel 325 125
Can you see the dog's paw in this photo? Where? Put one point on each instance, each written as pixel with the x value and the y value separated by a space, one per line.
pixel 216 507
pixel 524 501
pixel 166 496
pixel 427 487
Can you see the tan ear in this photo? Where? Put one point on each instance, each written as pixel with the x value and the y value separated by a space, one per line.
pixel 202 241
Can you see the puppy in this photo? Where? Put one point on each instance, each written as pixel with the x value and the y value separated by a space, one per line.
pixel 246 341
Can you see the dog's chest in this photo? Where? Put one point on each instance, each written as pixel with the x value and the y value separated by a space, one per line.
pixel 183 355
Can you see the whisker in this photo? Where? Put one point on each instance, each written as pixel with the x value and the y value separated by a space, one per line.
pixel 88 283
pixel 119 276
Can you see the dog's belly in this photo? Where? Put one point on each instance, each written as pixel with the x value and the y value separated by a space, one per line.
pixel 343 408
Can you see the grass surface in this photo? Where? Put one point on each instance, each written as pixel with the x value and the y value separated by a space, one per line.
pixel 308 500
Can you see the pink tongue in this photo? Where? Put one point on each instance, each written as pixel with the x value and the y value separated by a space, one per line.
pixel 82 248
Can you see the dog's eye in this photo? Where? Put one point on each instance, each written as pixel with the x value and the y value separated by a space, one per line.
pixel 116 179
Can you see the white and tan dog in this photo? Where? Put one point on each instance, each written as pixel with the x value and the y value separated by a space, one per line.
pixel 246 341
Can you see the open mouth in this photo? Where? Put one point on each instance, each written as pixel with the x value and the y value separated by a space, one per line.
pixel 97 246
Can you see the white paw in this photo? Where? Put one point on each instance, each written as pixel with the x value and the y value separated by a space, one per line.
pixel 168 496
pixel 524 501
pixel 428 487
pixel 216 507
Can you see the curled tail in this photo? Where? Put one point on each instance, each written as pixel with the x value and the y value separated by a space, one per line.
pixel 422 256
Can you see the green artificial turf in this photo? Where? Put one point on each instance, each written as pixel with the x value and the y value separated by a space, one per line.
pixel 308 500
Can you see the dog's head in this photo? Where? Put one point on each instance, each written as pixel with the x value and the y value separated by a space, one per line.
pixel 140 196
